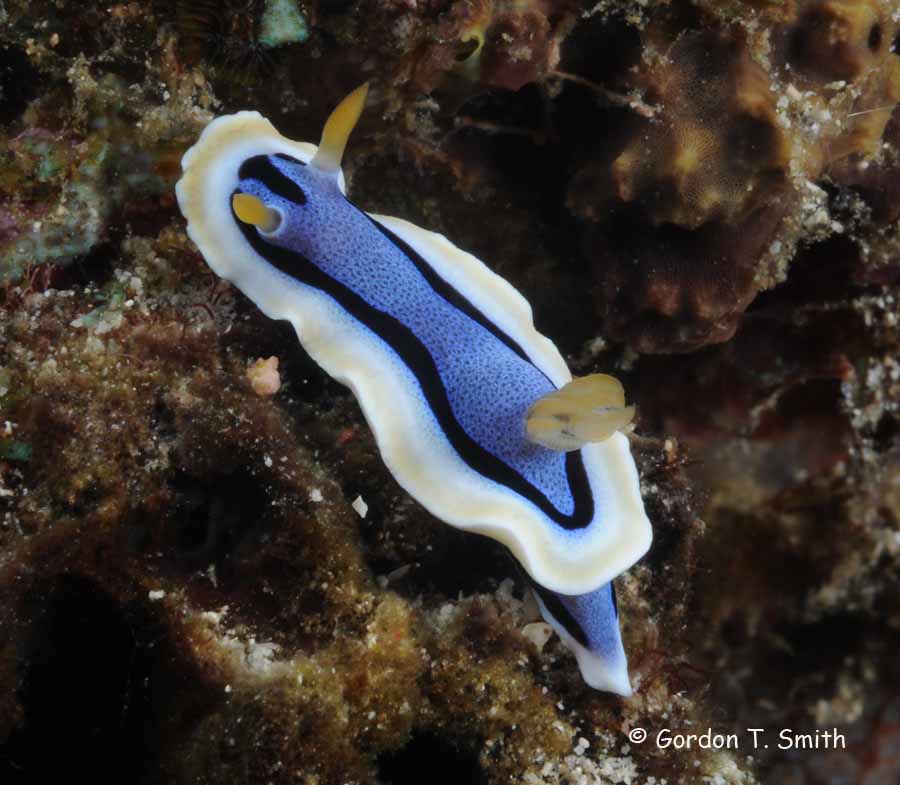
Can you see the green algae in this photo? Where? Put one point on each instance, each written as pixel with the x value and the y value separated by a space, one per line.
pixel 13 450
pixel 282 23
pixel 61 190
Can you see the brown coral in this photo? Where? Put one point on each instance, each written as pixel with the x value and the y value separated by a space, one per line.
pixel 681 215
pixel 835 43
pixel 713 151
pixel 840 39
pixel 701 206
pixel 495 43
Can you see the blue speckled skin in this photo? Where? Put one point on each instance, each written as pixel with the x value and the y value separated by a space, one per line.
pixel 592 620
pixel 595 613
pixel 489 386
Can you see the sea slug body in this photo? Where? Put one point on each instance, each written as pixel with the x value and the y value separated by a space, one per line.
pixel 475 413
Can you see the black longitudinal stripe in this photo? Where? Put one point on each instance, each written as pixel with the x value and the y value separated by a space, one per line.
pixel 261 168
pixel 576 474
pixel 419 360
pixel 445 290
pixel 558 611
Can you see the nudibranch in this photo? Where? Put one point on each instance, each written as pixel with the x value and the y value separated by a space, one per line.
pixel 474 412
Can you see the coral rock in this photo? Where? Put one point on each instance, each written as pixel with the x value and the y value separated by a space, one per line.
pixel 840 39
pixel 496 43
pixel 680 218
pixel 714 151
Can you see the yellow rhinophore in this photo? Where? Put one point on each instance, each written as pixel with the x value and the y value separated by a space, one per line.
pixel 251 210
pixel 589 409
pixel 337 130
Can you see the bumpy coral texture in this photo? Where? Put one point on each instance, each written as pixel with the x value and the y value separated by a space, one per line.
pixel 696 194
pixel 700 197
pixel 494 43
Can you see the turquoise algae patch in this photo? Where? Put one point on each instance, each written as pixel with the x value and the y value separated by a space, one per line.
pixel 12 450
pixel 282 23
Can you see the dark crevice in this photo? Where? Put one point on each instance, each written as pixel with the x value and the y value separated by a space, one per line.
pixel 885 436
pixel 95 269
pixel 875 37
pixel 435 567
pixel 213 518
pixel 432 758
pixel 85 690
pixel 19 82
